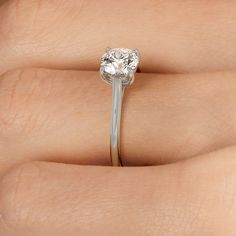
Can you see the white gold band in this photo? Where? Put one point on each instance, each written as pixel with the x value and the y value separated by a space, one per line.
pixel 118 66
pixel 117 97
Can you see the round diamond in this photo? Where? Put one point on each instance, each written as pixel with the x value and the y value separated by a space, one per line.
pixel 119 63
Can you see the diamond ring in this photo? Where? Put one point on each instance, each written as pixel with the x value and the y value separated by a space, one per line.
pixel 118 66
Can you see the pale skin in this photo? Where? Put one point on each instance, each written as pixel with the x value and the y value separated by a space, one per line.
pixel 178 127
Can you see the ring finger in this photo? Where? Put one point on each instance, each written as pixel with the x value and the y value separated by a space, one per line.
pixel 64 116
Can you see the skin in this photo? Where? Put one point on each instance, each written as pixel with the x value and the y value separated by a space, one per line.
pixel 178 126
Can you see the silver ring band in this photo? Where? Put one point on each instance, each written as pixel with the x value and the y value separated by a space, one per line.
pixel 118 66
pixel 117 98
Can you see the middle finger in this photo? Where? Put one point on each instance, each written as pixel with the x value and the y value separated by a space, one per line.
pixel 173 36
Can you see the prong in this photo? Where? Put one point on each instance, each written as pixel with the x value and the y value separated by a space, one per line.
pixel 136 51
pixel 130 78
pixel 108 49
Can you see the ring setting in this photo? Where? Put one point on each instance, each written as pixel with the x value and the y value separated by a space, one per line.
pixel 118 66
pixel 119 63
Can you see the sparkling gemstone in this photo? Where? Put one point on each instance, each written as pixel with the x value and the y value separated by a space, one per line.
pixel 119 63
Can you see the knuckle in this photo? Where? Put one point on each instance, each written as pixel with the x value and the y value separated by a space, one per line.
pixel 12 100
pixel 16 15
pixel 24 22
pixel 9 99
pixel 17 189
pixel 18 94
pixel 14 19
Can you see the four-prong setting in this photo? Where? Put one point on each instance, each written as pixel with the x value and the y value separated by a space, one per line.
pixel 119 63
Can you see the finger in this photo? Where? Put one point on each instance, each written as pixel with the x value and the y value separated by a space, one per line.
pixel 189 198
pixel 65 117
pixel 172 36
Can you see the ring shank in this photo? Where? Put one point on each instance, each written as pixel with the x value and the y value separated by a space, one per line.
pixel 117 98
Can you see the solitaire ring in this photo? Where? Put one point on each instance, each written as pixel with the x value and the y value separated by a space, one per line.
pixel 118 66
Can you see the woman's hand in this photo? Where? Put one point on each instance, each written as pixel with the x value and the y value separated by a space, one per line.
pixel 54 109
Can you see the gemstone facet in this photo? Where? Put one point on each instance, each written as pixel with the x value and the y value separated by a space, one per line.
pixel 119 63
